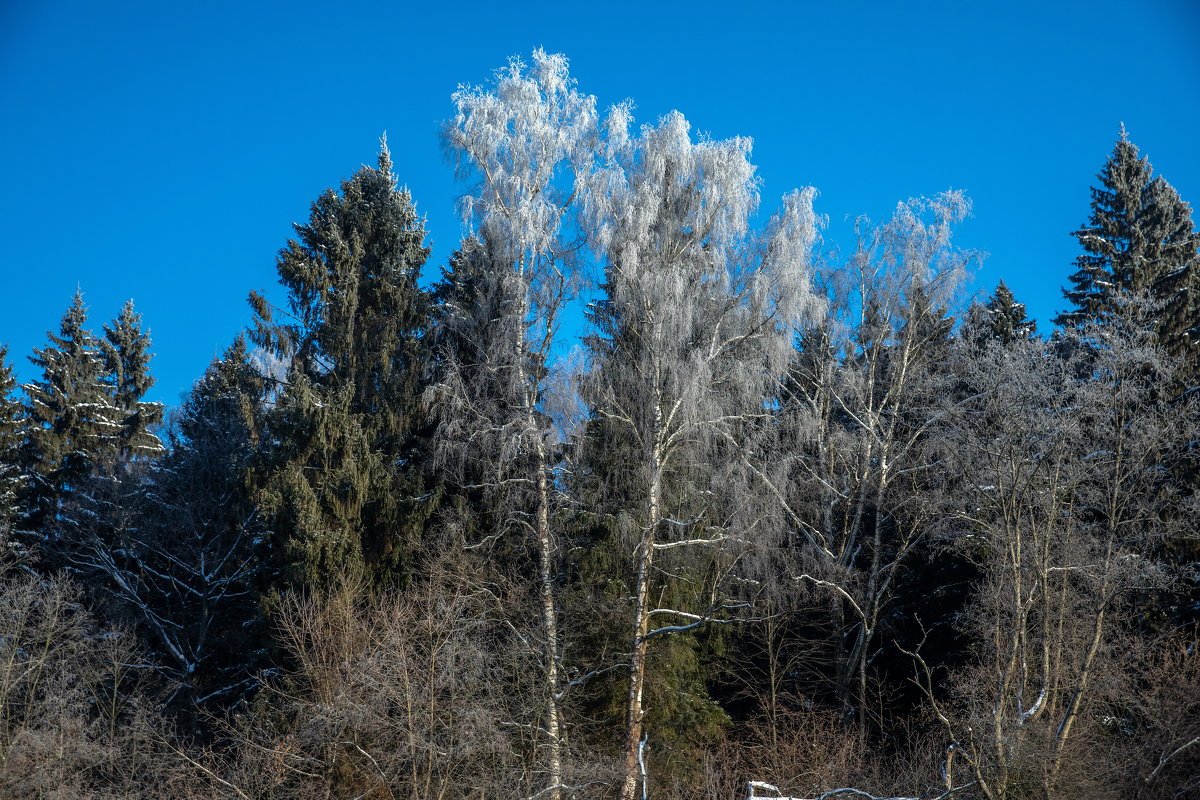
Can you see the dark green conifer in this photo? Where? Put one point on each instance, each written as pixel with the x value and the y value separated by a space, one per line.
pixel 1138 239
pixel 346 484
pixel 74 424
pixel 466 302
pixel 1002 318
pixel 127 359
pixel 1177 287
pixel 194 558
pixel 12 437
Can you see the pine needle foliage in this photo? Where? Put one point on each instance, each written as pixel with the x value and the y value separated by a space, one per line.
pixel 343 484
pixel 12 436
pixel 126 349
pixel 1138 238
pixel 74 424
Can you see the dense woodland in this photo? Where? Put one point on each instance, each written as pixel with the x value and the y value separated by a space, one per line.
pixel 639 497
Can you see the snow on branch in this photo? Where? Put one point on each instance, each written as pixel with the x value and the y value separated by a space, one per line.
pixel 830 585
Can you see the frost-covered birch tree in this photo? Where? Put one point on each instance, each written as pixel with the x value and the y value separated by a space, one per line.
pixel 527 141
pixel 851 468
pixel 694 327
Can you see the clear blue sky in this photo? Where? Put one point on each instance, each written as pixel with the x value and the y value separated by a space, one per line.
pixel 160 150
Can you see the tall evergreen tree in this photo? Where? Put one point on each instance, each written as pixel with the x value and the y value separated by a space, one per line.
pixel 346 484
pixel 12 436
pixel 467 302
pixel 1177 288
pixel 127 358
pixel 73 424
pixel 186 573
pixel 103 505
pixel 1139 238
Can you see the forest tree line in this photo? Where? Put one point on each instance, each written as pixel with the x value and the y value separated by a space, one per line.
pixel 782 520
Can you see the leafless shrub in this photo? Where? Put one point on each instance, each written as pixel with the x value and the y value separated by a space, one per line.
pixel 75 721
pixel 811 752
pixel 1160 727
pixel 391 697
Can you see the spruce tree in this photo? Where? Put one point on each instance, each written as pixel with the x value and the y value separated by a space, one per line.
pixel 103 550
pixel 12 437
pixel 345 481
pixel 74 426
pixel 188 584
pixel 1002 318
pixel 1177 288
pixel 466 303
pixel 127 358
pixel 106 501
pixel 1138 239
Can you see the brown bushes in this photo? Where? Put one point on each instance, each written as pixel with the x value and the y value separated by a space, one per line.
pixel 75 720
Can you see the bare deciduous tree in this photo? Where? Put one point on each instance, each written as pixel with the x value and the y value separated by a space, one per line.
pixel 528 140
pixel 1064 500
pixel 1164 714
pixel 851 469
pixel 390 697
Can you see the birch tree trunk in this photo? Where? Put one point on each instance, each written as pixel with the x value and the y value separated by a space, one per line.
pixel 693 332
pixel 515 137
pixel 641 622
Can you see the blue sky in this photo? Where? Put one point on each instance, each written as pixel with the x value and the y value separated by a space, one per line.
pixel 160 151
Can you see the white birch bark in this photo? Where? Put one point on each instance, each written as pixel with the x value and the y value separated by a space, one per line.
pixel 695 325
pixel 527 140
